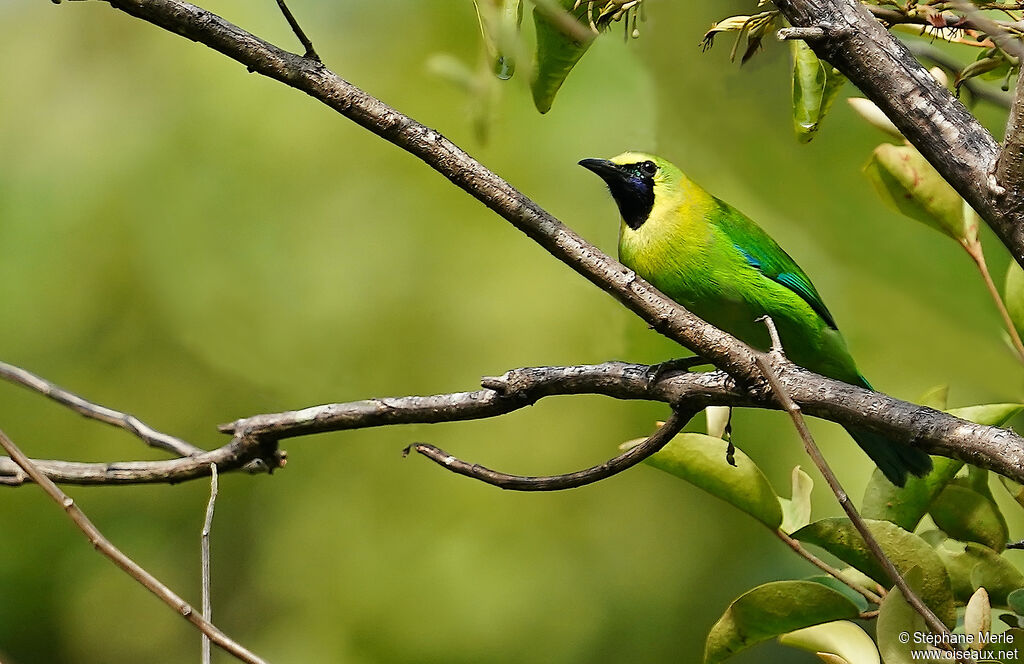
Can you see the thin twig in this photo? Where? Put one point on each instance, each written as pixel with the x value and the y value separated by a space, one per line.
pixel 129 423
pixel 1001 32
pixel 306 43
pixel 624 461
pixel 825 567
pixel 204 545
pixel 814 452
pixel 129 566
pixel 977 255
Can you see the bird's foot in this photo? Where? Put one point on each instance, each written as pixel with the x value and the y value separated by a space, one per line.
pixel 656 372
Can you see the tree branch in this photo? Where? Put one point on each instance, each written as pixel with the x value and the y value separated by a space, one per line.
pixel 930 117
pixel 1010 170
pixel 784 399
pixel 116 556
pixel 624 461
pixel 241 453
pixel 944 130
pixel 254 443
pixel 93 411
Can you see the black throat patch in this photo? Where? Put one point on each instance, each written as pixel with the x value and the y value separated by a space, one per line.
pixel 633 192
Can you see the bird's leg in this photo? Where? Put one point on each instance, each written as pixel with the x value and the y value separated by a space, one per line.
pixel 656 372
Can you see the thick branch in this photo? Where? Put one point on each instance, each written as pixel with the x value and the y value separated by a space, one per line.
pixel 1011 163
pixel 938 125
pixel 935 432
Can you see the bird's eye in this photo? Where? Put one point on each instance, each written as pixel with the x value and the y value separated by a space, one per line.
pixel 648 168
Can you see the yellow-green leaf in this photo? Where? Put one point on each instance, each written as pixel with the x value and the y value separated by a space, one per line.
pixel 867 109
pixel 700 460
pixel 908 184
pixel 905 506
pixel 972 566
pixel 499 24
pixel 978 619
pixel 816 84
pixel 898 623
pixel 905 550
pixel 842 639
pixel 1013 295
pixel 796 511
pixel 969 515
pixel 557 53
pixel 772 610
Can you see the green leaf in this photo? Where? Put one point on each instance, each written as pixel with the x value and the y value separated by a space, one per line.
pixel 906 506
pixel 936 397
pixel 897 620
pixel 796 511
pixel 1015 490
pixel 1015 601
pixel 557 53
pixel 991 414
pixel 905 550
pixel 772 610
pixel 700 460
pixel 971 565
pixel 840 587
pixel 969 515
pixel 841 639
pixel 499 25
pixel 816 85
pixel 908 184
pixel 998 576
pixel 1013 295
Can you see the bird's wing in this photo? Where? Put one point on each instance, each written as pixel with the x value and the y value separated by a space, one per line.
pixel 762 252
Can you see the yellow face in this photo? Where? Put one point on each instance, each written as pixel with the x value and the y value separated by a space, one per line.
pixel 677 202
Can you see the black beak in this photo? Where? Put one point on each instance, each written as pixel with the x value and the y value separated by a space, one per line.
pixel 608 171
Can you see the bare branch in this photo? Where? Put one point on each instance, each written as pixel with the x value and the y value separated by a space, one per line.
pixel 790 406
pixel 129 566
pixel 204 546
pixel 129 423
pixel 242 452
pixel 935 432
pixel 297 29
pixel 624 461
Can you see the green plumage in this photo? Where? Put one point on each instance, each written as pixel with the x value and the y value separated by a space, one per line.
pixel 720 265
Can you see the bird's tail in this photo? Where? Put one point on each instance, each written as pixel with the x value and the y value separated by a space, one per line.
pixel 893 459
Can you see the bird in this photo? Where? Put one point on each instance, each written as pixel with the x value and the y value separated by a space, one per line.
pixel 720 265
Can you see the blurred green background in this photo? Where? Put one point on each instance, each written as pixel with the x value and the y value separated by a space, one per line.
pixel 191 243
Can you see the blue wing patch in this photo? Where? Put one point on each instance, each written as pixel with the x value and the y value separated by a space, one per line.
pixel 796 282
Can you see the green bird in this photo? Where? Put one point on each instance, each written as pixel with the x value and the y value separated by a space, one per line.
pixel 712 259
